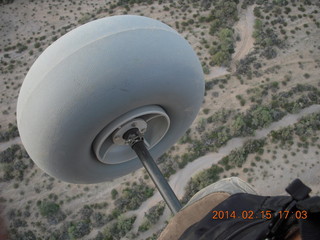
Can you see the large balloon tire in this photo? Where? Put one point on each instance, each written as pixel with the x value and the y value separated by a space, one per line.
pixel 95 74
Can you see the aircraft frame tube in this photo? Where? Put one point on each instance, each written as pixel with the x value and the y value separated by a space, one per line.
pixel 162 185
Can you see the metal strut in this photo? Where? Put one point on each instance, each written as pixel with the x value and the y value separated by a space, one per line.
pixel 136 142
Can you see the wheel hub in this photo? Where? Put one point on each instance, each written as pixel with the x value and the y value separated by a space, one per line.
pixel 110 147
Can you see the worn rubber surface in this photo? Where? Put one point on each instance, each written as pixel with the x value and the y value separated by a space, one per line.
pixel 93 75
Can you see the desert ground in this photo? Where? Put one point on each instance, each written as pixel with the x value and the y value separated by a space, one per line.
pixel 260 118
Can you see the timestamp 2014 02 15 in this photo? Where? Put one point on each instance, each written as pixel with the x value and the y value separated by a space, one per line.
pixel 267 214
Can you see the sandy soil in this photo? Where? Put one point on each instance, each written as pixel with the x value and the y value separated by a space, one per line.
pixel 217 72
pixel 244 28
pixel 179 180
pixel 22 21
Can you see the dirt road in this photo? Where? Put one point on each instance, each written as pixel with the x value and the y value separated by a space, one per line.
pixel 5 145
pixel 179 180
pixel 244 29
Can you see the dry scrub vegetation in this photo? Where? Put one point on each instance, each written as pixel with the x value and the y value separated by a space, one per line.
pixel 247 88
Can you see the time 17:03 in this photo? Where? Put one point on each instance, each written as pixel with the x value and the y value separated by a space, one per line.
pixel 249 214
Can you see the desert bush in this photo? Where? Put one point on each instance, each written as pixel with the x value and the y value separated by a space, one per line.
pixel 241 99
pixel 197 149
pixel 307 126
pixel 283 135
pixel 119 229
pixel 6 1
pixel 266 39
pixel 124 225
pixel 101 205
pixel 79 229
pixel 269 53
pixel 114 193
pixel 205 69
pixel 51 211
pixel 12 132
pixel 8 173
pixel 261 117
pixel 237 157
pixel 86 212
pixel 37 45
pixel 306 75
pixel 145 226
pixel 27 235
pixel 48 208
pixel 224 49
pixel 168 168
pixel 224 15
pixel 244 65
pixel 299 97
pixel 99 236
pixel 240 125
pixel 257 12
pixel 21 48
pixel 201 126
pixel 221 116
pixel 201 180
pixel 206 110
pixel 215 138
pixel 98 219
pixel 8 155
pixel 13 166
pixel 17 223
pixel 114 214
pixel 155 212
pixel 185 159
pixel 85 18
pixel 186 138
pixel 132 198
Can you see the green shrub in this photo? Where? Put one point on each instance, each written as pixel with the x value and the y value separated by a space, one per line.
pixel 79 229
pixel 133 197
pixel 283 135
pixel 221 116
pixel 12 132
pixel 99 219
pixel 86 212
pixel 261 117
pixel 37 45
pixel 237 157
pixel 21 48
pixel 145 226
pixel 201 180
pixel 239 125
pixel 120 228
pixel 51 211
pixel 8 155
pixel 224 14
pixel 85 18
pixel 48 209
pixel 114 193
pixel 223 51
pixel 155 212
pixel 306 75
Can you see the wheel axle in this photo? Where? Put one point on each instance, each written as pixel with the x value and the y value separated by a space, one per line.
pixel 136 142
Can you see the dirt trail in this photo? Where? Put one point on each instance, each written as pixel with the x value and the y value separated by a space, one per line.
pixel 179 180
pixel 5 145
pixel 245 29
pixel 216 72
